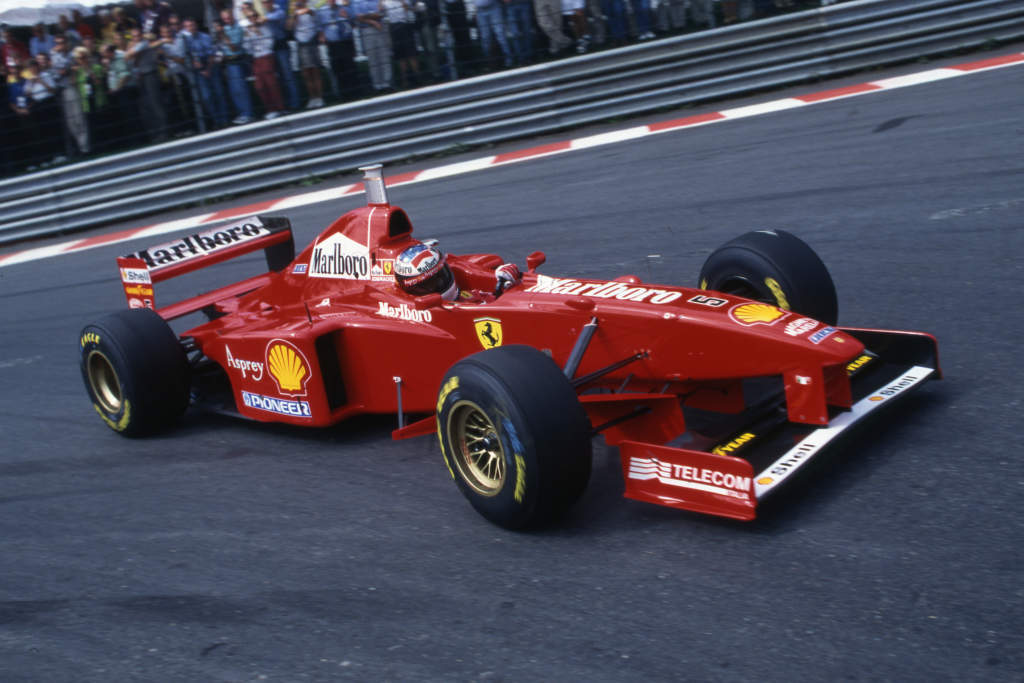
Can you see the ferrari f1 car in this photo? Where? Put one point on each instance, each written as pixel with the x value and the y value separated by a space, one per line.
pixel 715 396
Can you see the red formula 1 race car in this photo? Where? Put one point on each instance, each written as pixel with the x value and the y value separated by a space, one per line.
pixel 715 396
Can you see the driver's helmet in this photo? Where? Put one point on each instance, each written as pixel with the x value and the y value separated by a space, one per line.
pixel 421 269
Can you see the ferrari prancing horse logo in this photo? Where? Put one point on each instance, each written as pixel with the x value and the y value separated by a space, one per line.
pixel 488 331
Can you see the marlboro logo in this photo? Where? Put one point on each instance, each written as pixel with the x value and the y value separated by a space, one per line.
pixel 202 243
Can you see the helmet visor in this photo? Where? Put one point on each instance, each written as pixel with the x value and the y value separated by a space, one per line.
pixel 437 284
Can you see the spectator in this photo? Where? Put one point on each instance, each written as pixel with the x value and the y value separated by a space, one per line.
pixel 490 22
pixel 259 42
pixel 123 94
pixel 88 78
pixel 41 89
pixel 306 29
pixel 458 25
pixel 81 26
pixel 671 15
pixel 230 42
pixel 41 40
pixel 174 22
pixel 277 19
pixel 89 43
pixel 642 17
pixel 108 29
pixel 520 20
pixel 123 24
pixel 9 137
pixel 549 18
pixel 615 13
pixel 65 28
pixel 201 61
pixel 428 19
pixel 596 25
pixel 336 32
pixel 401 21
pixel 152 15
pixel 181 94
pixel 14 54
pixel 703 13
pixel 25 154
pixel 574 12
pixel 70 99
pixel 369 19
pixel 737 10
pixel 144 58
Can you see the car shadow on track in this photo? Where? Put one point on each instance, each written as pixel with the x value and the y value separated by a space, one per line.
pixel 828 481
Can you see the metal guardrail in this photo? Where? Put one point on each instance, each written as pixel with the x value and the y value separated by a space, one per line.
pixel 666 73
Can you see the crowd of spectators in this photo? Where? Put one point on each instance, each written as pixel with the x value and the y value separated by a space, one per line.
pixel 137 74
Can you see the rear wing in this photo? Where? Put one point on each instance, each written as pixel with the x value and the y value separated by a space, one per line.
pixel 140 270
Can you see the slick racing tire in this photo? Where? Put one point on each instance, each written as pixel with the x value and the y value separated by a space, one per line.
pixel 514 436
pixel 775 267
pixel 135 370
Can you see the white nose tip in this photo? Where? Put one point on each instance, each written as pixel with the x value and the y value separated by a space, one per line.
pixel 373 184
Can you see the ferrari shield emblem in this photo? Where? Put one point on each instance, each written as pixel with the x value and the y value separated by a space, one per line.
pixel 488 331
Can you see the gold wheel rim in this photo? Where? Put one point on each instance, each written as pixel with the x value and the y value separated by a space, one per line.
pixel 478 452
pixel 103 381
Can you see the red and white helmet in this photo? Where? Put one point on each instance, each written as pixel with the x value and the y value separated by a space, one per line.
pixel 421 269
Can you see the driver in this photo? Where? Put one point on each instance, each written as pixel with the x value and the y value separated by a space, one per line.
pixel 422 269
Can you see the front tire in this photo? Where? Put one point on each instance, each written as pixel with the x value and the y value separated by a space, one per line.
pixel 775 267
pixel 135 371
pixel 514 436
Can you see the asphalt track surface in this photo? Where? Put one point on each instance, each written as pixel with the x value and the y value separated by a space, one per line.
pixel 229 551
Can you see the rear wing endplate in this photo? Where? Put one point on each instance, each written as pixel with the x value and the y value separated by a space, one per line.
pixel 140 270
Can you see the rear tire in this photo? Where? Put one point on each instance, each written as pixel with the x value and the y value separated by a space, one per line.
pixel 135 371
pixel 775 267
pixel 514 436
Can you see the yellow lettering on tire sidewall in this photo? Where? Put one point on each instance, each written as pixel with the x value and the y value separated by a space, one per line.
pixel 776 289
pixel 122 422
pixel 520 491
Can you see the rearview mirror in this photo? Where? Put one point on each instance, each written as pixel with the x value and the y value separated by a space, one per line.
pixel 534 260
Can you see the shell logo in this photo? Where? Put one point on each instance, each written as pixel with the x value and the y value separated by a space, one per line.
pixel 756 314
pixel 288 367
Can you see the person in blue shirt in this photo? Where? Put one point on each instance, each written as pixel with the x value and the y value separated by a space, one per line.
pixel 230 41
pixel 368 17
pixel 204 60
pixel 336 33
pixel 277 20
pixel 41 40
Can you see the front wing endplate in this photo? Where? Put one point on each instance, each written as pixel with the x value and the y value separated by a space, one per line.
pixel 727 486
